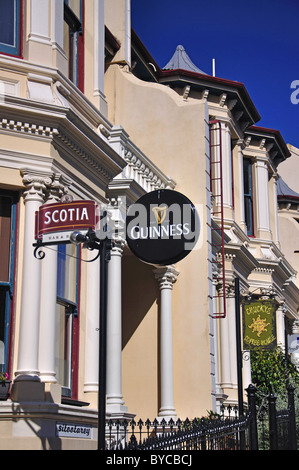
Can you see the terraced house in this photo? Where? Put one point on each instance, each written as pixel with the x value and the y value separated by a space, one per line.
pixel 88 115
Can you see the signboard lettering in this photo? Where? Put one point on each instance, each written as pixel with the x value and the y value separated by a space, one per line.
pixel 259 324
pixel 73 430
pixel 64 217
pixel 162 227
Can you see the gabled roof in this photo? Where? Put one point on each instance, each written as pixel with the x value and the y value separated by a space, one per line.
pixel 181 60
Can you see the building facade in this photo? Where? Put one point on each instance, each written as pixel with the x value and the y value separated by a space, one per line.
pixel 87 114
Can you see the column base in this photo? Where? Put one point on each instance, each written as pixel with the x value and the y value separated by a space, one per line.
pixel 167 414
pixel 27 388
pixel 48 377
pixel 115 405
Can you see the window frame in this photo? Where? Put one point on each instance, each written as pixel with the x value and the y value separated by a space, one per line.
pixel 76 44
pixel 71 309
pixel 15 50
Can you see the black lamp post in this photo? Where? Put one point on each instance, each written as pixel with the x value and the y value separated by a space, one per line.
pixel 104 247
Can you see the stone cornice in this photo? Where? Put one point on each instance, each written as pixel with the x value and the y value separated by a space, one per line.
pixel 62 127
pixel 140 175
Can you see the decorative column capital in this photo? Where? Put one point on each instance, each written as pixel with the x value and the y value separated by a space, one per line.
pixel 118 247
pixel 35 185
pixel 295 327
pixel 57 188
pixel 166 276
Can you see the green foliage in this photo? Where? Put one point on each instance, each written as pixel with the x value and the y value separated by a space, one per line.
pixel 270 372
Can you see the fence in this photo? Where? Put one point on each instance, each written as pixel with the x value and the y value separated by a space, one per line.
pixel 198 434
pixel 277 427
pixel 265 428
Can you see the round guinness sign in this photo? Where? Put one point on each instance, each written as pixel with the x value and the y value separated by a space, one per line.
pixel 162 227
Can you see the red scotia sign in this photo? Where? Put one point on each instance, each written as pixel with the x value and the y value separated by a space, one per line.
pixel 65 217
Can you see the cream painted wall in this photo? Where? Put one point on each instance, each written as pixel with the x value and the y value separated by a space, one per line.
pixel 140 337
pixel 289 237
pixel 170 132
pixel 288 169
pixel 118 21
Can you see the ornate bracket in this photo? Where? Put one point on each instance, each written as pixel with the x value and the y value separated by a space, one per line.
pixel 89 241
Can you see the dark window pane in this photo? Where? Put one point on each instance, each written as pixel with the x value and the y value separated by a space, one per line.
pixel 248 199
pixel 3 300
pixel 7 22
pixel 5 228
pixel 247 172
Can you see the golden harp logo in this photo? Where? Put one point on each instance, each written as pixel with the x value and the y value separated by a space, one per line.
pixel 159 213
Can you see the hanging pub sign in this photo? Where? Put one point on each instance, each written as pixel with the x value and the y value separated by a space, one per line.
pixel 55 222
pixel 162 227
pixel 259 324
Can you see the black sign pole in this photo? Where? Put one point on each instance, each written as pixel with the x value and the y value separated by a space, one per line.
pixel 238 344
pixel 239 357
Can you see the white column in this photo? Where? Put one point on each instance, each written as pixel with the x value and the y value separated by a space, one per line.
pixel 225 357
pixel 231 315
pixel 48 299
pixel 99 53
pixel 115 402
pixel 280 325
pixel 263 209
pixel 166 278
pixel 30 302
pixel 99 46
pixel 47 316
pixel 246 369
pixel 221 152
pixel 39 41
pixel 227 175
pixel 57 23
pixel 276 227
pixel 92 323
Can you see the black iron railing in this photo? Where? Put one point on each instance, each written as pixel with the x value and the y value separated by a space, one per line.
pixel 216 433
pixel 263 428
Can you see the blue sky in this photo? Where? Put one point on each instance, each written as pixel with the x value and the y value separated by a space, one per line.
pixel 255 42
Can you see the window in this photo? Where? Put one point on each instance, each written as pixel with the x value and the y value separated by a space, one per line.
pixel 248 195
pixel 8 205
pixel 67 318
pixel 73 40
pixel 10 27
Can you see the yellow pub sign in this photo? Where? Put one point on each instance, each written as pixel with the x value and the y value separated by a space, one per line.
pixel 259 324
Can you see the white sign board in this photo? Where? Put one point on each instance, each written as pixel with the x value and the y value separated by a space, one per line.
pixel 73 430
